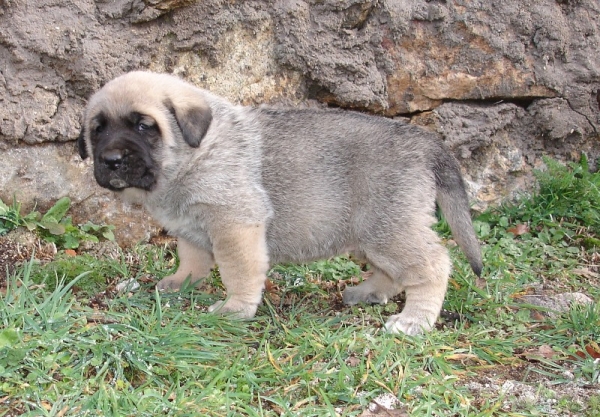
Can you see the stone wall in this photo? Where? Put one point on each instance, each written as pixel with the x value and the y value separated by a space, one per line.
pixel 503 82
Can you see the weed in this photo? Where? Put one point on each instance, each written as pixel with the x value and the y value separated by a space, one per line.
pixel 593 408
pixel 54 226
pixel 565 194
pixel 10 217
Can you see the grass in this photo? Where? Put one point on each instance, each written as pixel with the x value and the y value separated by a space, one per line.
pixel 71 345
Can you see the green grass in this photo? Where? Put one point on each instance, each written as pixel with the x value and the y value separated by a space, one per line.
pixel 65 268
pixel 97 352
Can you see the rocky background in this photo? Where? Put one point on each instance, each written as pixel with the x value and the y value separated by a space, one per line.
pixel 504 82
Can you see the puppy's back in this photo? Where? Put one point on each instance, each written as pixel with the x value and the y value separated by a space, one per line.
pixel 334 177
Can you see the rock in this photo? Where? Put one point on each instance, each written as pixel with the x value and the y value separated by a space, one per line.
pixel 556 303
pixel 386 401
pixel 504 83
pixel 129 285
pixel 524 394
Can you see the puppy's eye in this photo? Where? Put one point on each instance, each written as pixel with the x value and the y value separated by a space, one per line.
pixel 144 127
pixel 99 128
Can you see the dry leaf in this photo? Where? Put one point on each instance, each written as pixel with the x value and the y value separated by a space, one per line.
pixel 70 252
pixel 585 273
pixel 352 361
pixel 537 315
pixel 518 230
pixel 546 351
pixel 269 286
pixel 63 411
pixel 462 357
pixel 542 352
pixel 274 298
pixel 146 279
pixel 593 350
pixel 455 284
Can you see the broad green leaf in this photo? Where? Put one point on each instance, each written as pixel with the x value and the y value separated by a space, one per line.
pixel 90 227
pixel 3 208
pixel 34 216
pixel 71 242
pixel 8 337
pixel 10 356
pixel 59 209
pixel 53 227
pixel 108 235
pixel 31 226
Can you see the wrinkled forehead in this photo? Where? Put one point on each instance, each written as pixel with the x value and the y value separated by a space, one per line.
pixel 126 95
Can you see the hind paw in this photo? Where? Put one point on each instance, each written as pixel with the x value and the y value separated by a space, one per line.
pixel 355 295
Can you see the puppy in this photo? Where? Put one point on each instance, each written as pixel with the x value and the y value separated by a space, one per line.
pixel 247 188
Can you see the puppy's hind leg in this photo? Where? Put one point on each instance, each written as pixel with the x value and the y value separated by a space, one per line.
pixel 377 289
pixel 414 261
pixel 193 261
pixel 241 253
pixel 424 279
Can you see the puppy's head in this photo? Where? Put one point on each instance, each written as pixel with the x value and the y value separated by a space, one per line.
pixel 130 122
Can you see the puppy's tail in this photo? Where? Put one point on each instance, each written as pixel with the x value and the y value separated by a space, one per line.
pixel 454 202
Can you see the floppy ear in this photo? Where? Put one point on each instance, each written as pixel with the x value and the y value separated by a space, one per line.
pixel 81 144
pixel 193 121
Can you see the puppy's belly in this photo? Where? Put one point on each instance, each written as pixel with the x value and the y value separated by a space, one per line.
pixel 296 248
pixel 279 255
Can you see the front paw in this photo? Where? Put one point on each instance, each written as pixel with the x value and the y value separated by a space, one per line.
pixel 408 324
pixel 170 283
pixel 235 308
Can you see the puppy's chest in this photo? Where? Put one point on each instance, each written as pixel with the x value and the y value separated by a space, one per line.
pixel 192 227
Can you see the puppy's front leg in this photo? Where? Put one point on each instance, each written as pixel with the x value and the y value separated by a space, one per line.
pixel 240 250
pixel 192 261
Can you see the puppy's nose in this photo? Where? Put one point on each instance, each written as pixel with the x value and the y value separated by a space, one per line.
pixel 113 158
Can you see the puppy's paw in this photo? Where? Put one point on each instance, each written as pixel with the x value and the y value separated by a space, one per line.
pixel 235 308
pixel 170 283
pixel 174 282
pixel 360 294
pixel 408 324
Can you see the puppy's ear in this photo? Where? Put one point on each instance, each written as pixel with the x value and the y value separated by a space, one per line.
pixel 193 121
pixel 81 144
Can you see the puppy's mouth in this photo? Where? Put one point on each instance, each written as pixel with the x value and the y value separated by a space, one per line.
pixel 118 183
pixel 130 172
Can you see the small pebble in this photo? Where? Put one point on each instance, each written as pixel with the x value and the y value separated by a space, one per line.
pixel 128 285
